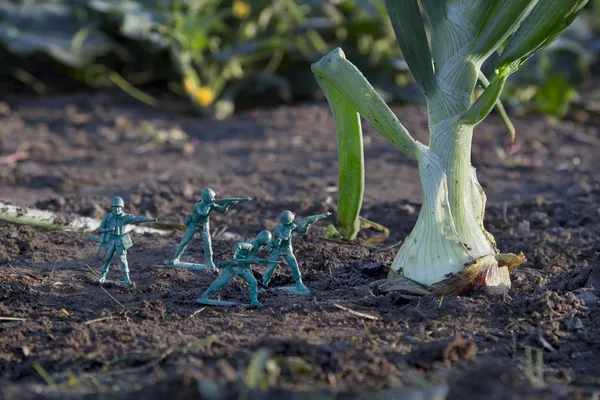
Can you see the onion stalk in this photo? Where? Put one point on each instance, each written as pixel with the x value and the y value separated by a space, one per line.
pixel 449 235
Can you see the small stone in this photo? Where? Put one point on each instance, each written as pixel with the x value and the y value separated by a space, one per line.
pixel 188 190
pixel 589 298
pixel 523 228
pixel 187 149
pixel 4 108
pixel 579 189
pixel 372 268
pixel 539 217
pixel 135 199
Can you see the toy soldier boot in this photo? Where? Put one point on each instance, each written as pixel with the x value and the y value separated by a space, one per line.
pixel 254 294
pixel 208 254
pixel 106 266
pixel 126 281
pixel 103 273
pixel 125 270
pixel 273 263
pixel 207 294
pixel 222 280
pixel 187 238
pixel 300 288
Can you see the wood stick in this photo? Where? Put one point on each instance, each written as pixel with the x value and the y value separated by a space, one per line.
pixel 357 313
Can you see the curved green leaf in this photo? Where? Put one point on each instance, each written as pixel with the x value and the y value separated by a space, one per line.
pixel 500 109
pixel 351 178
pixel 487 101
pixel 356 89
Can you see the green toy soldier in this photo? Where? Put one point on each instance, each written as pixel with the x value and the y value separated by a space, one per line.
pixel 198 221
pixel 115 239
pixel 281 246
pixel 244 255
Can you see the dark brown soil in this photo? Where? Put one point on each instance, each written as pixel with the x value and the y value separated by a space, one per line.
pixel 79 340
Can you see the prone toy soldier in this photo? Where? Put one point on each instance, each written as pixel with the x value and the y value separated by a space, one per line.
pixel 244 255
pixel 199 221
pixel 115 239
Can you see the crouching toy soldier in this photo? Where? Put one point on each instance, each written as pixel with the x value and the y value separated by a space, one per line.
pixel 199 221
pixel 115 239
pixel 244 255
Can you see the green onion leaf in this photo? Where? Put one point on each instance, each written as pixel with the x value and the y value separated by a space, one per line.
pixel 336 70
pixel 500 109
pixel 351 178
pixel 410 32
pixel 544 24
pixel 487 101
pixel 501 21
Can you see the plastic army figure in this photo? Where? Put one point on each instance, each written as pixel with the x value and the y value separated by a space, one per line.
pixel 244 255
pixel 198 221
pixel 281 246
pixel 115 240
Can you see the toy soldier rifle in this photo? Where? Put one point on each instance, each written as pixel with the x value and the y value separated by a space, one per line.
pixel 245 261
pixel 311 219
pixel 231 201
pixel 97 240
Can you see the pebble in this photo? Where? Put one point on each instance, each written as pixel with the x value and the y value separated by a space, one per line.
pixel 589 298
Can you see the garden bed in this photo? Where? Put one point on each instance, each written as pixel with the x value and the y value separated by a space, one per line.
pixel 345 338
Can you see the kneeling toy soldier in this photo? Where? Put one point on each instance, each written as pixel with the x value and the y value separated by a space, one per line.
pixel 244 255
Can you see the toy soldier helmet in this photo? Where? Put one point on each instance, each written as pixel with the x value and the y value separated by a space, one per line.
pixel 117 202
pixel 208 194
pixel 287 217
pixel 264 237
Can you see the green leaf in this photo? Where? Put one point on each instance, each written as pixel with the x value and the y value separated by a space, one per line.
pixel 554 96
pixel 436 11
pixel 351 83
pixel 409 27
pixel 501 21
pixel 51 29
pixel 252 47
pixel 545 23
pixel 487 101
pixel 351 178
pixel 500 109
pixel 350 94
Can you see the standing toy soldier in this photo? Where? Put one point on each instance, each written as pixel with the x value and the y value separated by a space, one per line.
pixel 115 239
pixel 281 246
pixel 244 255
pixel 198 221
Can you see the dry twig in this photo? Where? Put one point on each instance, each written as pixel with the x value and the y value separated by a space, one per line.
pixel 12 319
pixel 357 313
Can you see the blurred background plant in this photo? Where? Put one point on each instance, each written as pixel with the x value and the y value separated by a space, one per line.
pixel 219 55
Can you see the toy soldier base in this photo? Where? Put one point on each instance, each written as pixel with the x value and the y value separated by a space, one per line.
pixel 245 254
pixel 116 240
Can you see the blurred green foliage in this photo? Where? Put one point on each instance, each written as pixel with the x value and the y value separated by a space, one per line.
pixel 222 54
